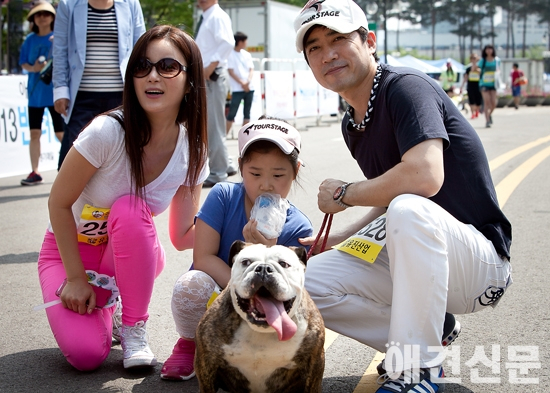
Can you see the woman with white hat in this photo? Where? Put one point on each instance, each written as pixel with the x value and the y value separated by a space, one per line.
pixel 35 54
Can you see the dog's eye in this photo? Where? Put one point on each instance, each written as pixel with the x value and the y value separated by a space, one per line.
pixel 246 262
pixel 284 264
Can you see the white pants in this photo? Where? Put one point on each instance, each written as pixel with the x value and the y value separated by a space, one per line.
pixel 431 264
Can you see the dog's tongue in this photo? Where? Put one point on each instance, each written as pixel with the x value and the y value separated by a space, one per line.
pixel 277 317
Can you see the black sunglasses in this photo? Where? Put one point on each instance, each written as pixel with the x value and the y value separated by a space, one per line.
pixel 167 68
pixel 43 13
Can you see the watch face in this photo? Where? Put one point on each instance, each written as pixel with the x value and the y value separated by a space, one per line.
pixel 337 193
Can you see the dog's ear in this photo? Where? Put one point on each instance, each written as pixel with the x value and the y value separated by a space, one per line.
pixel 236 248
pixel 301 252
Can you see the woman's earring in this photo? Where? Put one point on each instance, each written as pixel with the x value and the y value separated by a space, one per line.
pixel 185 97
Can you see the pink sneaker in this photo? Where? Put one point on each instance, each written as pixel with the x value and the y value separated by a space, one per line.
pixel 179 366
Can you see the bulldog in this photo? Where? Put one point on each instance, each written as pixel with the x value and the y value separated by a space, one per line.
pixel 263 334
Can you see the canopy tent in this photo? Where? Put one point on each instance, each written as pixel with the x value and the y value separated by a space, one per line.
pixel 393 61
pixel 441 64
pixel 413 62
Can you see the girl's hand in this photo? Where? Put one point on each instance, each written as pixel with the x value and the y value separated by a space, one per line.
pixel 252 235
pixel 79 296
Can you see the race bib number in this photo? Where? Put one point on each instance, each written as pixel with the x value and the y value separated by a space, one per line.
pixel 474 76
pixel 368 242
pixel 92 228
pixel 489 77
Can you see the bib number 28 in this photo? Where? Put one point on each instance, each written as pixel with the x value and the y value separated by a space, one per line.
pixel 368 242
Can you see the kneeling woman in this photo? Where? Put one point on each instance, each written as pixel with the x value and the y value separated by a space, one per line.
pixel 127 165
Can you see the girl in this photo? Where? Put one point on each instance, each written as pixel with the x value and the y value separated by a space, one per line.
pixel 489 65
pixel 127 165
pixel 35 53
pixel 268 151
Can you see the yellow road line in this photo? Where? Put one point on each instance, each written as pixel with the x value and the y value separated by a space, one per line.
pixel 330 336
pixel 502 159
pixel 509 183
pixel 368 382
pixel 504 189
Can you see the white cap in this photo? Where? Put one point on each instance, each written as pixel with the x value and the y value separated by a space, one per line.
pixel 343 16
pixel 282 134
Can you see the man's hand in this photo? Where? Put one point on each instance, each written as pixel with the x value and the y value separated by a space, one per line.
pixel 325 197
pixel 61 106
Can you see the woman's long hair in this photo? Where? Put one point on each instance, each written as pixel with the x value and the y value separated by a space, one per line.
pixel 192 112
pixel 484 51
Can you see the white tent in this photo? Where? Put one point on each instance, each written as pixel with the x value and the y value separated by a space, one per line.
pixel 393 61
pixel 413 62
pixel 442 64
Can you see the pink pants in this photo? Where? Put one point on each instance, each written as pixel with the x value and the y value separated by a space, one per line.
pixel 133 255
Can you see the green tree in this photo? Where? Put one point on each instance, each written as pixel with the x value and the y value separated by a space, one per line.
pixel 173 12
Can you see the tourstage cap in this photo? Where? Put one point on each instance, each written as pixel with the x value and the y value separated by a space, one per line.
pixel 282 134
pixel 343 16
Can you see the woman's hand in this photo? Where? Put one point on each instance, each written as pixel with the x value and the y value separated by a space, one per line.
pixel 79 296
pixel 252 235
pixel 38 65
pixel 61 106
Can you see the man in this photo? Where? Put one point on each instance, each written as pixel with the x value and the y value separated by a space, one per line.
pixel 518 79
pixel 214 37
pixel 435 240
pixel 241 71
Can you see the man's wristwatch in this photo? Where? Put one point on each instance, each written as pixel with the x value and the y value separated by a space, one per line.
pixel 339 195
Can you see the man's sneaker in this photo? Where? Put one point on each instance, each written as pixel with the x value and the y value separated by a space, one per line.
pixel 451 330
pixel 117 321
pixel 136 349
pixel 412 382
pixel 32 180
pixel 179 366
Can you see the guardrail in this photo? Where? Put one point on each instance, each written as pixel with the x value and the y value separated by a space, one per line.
pixel 286 94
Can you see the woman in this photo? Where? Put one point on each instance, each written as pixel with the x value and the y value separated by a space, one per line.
pixel 448 78
pixel 129 165
pixel 490 67
pixel 35 54
pixel 93 41
pixel 269 164
pixel 471 77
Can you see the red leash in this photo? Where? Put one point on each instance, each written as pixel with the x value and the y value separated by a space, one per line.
pixel 328 222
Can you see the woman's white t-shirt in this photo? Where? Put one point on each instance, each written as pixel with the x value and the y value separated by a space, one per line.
pixel 102 144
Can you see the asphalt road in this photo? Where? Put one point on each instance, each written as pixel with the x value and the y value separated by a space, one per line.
pixel 500 350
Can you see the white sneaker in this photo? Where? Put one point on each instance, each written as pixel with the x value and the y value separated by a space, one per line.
pixel 136 349
pixel 117 321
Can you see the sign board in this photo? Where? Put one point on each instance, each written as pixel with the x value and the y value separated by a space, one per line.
pixel 15 134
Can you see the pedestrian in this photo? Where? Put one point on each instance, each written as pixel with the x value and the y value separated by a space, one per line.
pixel 435 242
pixel 448 78
pixel 269 163
pixel 214 37
pixel 471 77
pixel 93 41
pixel 126 167
pixel 488 82
pixel 241 71
pixel 518 79
pixel 35 55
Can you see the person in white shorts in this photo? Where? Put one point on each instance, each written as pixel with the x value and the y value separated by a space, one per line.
pixel 435 242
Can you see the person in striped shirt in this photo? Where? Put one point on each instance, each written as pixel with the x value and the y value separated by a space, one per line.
pixel 92 45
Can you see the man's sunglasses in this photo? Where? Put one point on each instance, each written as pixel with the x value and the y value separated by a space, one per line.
pixel 167 68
